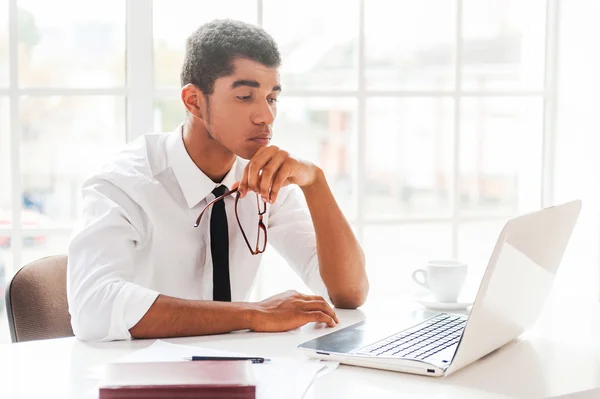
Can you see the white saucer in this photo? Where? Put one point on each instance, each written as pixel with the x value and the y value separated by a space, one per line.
pixel 427 300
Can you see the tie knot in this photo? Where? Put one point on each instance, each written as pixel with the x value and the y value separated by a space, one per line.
pixel 218 191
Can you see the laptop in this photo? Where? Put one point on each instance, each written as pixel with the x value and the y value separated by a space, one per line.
pixel 510 299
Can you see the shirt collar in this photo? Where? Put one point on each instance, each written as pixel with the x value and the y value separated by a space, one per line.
pixel 195 185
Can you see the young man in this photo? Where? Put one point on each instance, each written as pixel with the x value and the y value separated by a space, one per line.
pixel 137 265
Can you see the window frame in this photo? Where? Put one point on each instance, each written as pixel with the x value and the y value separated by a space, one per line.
pixel 140 93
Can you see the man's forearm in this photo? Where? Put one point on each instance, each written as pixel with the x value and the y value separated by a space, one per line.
pixel 341 260
pixel 174 317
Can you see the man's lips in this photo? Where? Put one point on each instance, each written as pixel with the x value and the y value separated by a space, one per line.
pixel 261 139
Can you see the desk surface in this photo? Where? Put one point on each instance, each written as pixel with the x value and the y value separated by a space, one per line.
pixel 561 355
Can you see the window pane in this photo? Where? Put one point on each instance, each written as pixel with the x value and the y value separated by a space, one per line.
pixel 408 46
pixel 169 112
pixel 5 167
pixel 40 246
pixel 503 44
pixel 317 54
pixel 3 43
pixel 409 150
pixel 64 140
pixel 578 272
pixel 577 169
pixel 84 47
pixel 322 130
pixel 5 267
pixel 500 155
pixel 394 252
pixel 175 20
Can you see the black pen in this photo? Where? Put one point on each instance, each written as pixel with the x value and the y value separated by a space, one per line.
pixel 252 359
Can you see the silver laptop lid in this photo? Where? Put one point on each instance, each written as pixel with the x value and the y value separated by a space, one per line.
pixel 517 280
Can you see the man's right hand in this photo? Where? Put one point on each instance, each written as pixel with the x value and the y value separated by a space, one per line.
pixel 290 310
pixel 175 317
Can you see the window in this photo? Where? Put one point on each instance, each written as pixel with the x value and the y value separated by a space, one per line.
pixel 82 48
pixel 175 20
pixel 62 112
pixel 402 133
pixel 433 128
pixel 4 44
pixel 317 54
pixel 408 47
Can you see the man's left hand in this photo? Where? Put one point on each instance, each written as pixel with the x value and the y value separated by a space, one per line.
pixel 272 168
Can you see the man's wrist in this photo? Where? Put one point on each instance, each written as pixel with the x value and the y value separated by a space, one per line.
pixel 249 313
pixel 317 184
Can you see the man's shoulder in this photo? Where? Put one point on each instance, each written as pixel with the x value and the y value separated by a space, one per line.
pixel 135 163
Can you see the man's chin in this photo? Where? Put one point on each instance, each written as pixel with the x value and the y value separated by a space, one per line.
pixel 247 155
pixel 248 151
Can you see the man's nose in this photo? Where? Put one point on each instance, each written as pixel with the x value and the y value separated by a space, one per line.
pixel 264 114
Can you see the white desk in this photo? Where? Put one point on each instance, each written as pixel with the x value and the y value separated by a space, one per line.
pixel 561 355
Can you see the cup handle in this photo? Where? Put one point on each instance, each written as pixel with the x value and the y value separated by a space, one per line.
pixel 423 274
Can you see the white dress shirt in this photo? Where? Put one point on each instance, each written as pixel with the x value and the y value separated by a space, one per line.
pixel 137 239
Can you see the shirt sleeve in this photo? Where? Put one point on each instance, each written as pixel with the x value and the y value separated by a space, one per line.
pixel 291 232
pixel 104 303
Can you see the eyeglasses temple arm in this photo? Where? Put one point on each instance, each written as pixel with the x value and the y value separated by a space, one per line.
pixel 212 202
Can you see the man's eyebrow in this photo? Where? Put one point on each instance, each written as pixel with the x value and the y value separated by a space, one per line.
pixel 243 82
pixel 251 83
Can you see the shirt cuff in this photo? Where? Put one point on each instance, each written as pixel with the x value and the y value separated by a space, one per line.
pixel 130 305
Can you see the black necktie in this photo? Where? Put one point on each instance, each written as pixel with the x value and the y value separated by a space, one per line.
pixel 219 247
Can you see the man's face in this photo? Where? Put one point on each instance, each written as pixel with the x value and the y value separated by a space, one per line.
pixel 243 107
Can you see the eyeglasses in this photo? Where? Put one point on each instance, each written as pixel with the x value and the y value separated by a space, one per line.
pixel 258 249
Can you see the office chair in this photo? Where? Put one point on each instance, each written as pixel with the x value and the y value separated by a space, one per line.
pixel 36 301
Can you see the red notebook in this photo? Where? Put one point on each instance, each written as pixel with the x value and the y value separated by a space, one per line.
pixel 174 380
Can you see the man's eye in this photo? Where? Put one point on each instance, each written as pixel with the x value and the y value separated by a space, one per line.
pixel 272 100
pixel 245 97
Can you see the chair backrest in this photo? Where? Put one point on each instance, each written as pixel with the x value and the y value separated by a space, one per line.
pixel 36 301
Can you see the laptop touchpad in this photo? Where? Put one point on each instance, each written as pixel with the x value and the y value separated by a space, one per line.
pixel 367 332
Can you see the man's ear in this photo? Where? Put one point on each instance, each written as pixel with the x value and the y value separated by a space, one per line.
pixel 193 100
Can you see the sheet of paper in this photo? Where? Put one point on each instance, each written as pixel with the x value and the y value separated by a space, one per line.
pixel 589 394
pixel 283 377
pixel 328 367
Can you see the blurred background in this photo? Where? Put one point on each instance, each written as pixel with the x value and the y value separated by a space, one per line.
pixel 435 120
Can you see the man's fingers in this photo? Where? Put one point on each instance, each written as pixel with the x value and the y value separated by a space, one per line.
pixel 320 298
pixel 244 183
pixel 256 164
pixel 278 182
pixel 318 316
pixel 314 298
pixel 253 170
pixel 269 171
pixel 321 306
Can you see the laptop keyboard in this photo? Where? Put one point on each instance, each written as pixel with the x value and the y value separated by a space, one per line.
pixel 421 341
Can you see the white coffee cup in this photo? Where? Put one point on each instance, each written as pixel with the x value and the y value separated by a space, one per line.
pixel 444 278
